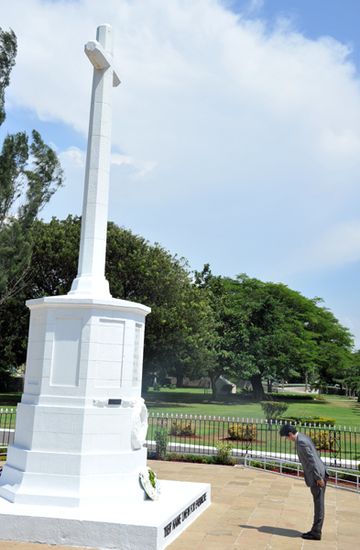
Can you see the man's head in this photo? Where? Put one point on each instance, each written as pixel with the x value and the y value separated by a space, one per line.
pixel 289 431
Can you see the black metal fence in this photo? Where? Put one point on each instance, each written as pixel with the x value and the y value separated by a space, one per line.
pixel 338 446
pixel 201 435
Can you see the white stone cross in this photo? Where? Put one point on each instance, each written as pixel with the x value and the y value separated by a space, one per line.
pixel 90 280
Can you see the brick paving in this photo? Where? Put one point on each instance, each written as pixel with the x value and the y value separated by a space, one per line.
pixel 254 510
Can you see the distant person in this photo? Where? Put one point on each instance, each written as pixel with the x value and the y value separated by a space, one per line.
pixel 315 475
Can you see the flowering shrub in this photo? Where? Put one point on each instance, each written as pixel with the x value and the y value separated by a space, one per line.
pixel 242 432
pixel 182 427
pixel 316 420
pixel 325 440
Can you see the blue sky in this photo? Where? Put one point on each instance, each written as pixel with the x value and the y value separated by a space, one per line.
pixel 313 18
pixel 236 129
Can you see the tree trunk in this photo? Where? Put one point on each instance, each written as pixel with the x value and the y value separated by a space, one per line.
pixel 179 376
pixel 258 390
pixel 213 386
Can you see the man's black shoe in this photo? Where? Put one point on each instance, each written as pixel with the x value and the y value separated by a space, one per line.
pixel 311 536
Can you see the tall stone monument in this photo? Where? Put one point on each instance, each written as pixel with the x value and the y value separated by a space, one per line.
pixel 81 424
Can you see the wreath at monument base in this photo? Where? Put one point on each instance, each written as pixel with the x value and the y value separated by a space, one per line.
pixel 150 483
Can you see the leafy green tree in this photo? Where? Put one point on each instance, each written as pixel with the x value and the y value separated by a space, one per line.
pixel 8 49
pixel 179 327
pixel 14 328
pixel 29 175
pixel 55 257
pixel 350 375
pixel 268 331
pixel 222 357
pixel 276 334
pixel 333 345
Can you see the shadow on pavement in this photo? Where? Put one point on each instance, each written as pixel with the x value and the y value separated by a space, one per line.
pixel 274 530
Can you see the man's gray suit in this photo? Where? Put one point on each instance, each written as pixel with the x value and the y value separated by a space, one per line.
pixel 314 470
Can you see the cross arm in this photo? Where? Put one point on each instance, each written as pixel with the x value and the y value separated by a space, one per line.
pixel 101 59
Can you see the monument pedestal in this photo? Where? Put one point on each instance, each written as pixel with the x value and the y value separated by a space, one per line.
pixel 81 423
pixel 72 473
pixel 119 524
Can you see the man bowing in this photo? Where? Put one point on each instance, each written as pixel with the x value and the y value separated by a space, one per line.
pixel 315 475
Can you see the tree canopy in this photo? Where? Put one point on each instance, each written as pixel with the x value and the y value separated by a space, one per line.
pixel 30 173
pixel 268 331
pixel 8 49
pixel 349 377
pixel 243 328
pixel 179 328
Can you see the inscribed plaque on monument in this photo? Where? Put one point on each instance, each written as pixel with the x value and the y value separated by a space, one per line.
pixel 110 358
pixel 137 356
pixel 65 363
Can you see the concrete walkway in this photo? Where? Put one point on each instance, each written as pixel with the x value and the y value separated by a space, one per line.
pixel 257 510
pixel 253 510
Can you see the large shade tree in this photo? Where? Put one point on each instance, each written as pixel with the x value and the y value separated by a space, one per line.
pixel 29 175
pixel 179 328
pixel 349 378
pixel 267 331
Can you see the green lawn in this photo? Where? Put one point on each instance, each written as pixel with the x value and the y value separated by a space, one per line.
pixel 345 411
pixel 194 401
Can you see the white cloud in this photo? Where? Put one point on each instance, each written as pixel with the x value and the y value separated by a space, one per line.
pixel 72 156
pixel 244 142
pixel 336 247
pixel 140 168
pixel 340 245
pixel 341 144
pixel 121 160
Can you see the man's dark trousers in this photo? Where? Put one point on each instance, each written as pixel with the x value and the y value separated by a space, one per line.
pixel 318 494
pixel 314 470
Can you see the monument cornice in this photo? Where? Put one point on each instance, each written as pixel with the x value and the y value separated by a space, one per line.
pixel 90 302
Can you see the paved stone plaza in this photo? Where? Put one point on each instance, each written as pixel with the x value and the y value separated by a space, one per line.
pixel 254 510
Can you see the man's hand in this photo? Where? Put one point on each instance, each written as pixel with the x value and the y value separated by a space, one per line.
pixel 320 483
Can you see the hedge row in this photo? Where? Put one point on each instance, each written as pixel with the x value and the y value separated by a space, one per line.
pixel 294 396
pixel 313 420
